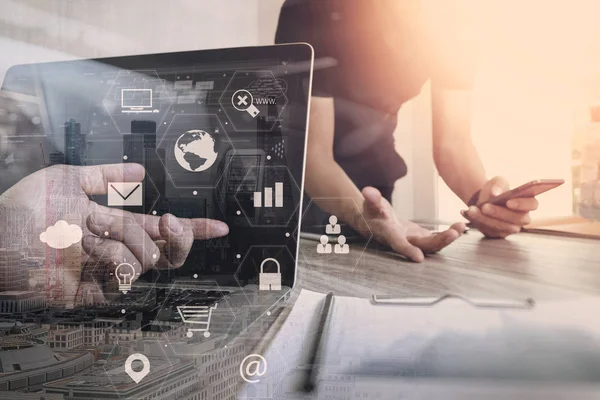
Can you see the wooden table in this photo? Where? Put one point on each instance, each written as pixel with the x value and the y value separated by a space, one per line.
pixel 542 267
pixel 524 265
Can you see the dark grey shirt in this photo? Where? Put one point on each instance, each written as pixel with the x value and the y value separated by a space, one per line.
pixel 381 60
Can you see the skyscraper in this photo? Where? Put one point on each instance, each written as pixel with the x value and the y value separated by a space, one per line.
pixel 75 146
pixel 13 274
pixel 140 147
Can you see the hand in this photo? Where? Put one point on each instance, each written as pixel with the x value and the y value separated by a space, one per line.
pixel 110 236
pixel 404 237
pixel 499 221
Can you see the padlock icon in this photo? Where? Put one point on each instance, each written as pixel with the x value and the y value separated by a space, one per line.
pixel 269 280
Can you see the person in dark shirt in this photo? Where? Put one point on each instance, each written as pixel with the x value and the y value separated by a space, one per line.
pixel 371 56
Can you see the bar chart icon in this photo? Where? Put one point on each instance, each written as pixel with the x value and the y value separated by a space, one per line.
pixel 268 196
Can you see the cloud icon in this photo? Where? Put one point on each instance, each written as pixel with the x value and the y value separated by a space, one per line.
pixel 61 235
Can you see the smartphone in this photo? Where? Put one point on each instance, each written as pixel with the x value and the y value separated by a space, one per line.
pixel 529 189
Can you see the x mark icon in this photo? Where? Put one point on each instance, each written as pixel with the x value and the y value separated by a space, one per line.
pixel 242 100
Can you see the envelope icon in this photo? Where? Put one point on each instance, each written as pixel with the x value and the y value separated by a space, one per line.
pixel 125 193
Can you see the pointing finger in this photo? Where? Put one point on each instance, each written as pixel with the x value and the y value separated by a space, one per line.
pixel 129 232
pixel 202 228
pixel 178 237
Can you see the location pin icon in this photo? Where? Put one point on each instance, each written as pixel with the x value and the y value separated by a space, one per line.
pixel 137 376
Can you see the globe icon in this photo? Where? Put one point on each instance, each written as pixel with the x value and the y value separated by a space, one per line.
pixel 195 151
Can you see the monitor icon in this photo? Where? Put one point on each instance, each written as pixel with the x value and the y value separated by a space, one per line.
pixel 136 100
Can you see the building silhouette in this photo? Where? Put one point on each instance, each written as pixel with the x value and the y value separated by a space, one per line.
pixel 13 302
pixel 75 144
pixel 13 274
pixel 140 147
pixel 169 378
pixel 26 362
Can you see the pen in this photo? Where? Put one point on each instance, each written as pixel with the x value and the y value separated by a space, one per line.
pixel 310 378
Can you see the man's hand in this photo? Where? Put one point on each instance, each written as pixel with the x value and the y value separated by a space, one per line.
pixel 146 241
pixel 404 237
pixel 499 221
pixel 111 236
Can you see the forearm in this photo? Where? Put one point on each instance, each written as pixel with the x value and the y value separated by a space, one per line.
pixel 455 156
pixel 333 191
pixel 326 182
pixel 460 167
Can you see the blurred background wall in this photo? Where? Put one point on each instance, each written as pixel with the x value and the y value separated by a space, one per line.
pixel 539 61
pixel 36 30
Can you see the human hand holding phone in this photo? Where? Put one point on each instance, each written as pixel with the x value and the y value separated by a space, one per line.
pixel 498 212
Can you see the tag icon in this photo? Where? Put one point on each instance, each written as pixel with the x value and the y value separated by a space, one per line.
pixel 242 100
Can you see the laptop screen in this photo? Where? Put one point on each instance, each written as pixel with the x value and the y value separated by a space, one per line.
pixel 220 133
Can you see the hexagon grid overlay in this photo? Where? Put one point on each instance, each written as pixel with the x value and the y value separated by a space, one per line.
pixel 184 176
pixel 152 347
pixel 275 215
pixel 251 264
pixel 137 95
pixel 254 100
pixel 187 337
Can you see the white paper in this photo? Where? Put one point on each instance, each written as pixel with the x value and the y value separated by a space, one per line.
pixel 450 350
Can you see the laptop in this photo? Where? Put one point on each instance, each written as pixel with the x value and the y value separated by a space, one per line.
pixel 221 134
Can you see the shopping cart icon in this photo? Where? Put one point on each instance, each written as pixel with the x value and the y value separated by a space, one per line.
pixel 198 315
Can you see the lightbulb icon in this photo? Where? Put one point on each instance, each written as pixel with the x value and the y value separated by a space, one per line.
pixel 124 273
